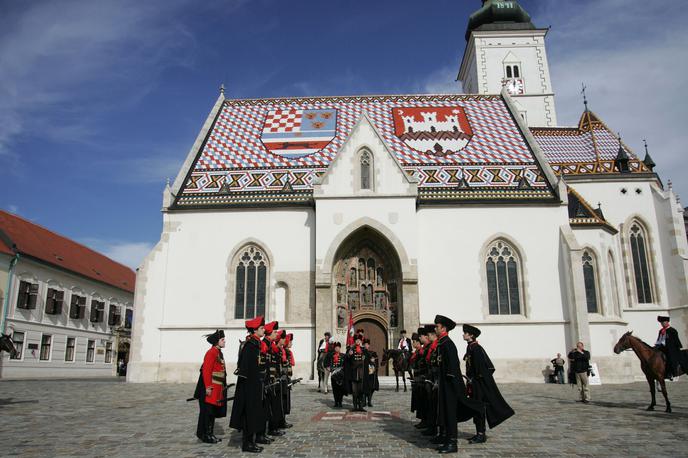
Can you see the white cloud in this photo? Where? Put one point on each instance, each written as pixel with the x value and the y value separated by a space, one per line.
pixel 128 253
pixel 65 62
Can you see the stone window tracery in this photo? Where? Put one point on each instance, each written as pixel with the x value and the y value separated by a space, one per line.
pixel 503 279
pixel 251 283
pixel 366 176
pixel 590 279
pixel 641 264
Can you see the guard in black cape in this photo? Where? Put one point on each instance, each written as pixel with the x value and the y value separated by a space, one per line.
pixel 273 384
pixel 334 361
pixel 372 381
pixel 431 385
pixel 482 386
pixel 357 360
pixel 285 378
pixel 211 389
pixel 419 368
pixel 248 409
pixel 453 405
pixel 288 364
pixel 669 342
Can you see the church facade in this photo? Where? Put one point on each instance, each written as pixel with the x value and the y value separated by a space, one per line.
pixel 392 209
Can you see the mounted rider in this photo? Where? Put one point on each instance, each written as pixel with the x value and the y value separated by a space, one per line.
pixel 670 344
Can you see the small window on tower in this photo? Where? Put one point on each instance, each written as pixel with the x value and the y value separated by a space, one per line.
pixel 509 74
pixel 516 72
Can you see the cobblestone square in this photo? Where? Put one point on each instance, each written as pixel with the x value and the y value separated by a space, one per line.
pixel 111 418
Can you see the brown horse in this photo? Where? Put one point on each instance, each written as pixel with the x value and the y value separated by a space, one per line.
pixel 652 362
pixel 7 344
pixel 400 363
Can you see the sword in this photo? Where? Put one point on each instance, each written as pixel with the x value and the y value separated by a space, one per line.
pixel 228 387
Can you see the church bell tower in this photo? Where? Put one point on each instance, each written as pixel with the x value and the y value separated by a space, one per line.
pixel 505 49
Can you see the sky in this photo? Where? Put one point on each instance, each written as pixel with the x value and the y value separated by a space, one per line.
pixel 101 101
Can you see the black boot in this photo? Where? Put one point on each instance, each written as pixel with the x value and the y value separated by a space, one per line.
pixel 263 439
pixel 212 432
pixel 449 447
pixel 479 438
pixel 431 431
pixel 421 425
pixel 438 440
pixel 250 447
pixel 285 425
pixel 275 432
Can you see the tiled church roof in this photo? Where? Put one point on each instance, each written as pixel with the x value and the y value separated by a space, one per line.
pixel 581 213
pixel 591 147
pixel 458 147
pixel 37 242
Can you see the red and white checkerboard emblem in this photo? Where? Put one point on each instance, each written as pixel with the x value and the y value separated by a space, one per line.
pixel 295 132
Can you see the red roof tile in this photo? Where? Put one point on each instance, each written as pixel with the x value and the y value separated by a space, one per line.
pixel 40 243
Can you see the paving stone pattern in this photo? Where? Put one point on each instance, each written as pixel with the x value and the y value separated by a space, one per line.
pixel 111 418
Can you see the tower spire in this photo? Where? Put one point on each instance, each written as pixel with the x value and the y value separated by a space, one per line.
pixel 585 98
pixel 649 163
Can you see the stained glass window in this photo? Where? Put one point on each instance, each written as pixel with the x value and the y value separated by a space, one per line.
pixel 590 282
pixel 641 268
pixel 503 279
pixel 250 295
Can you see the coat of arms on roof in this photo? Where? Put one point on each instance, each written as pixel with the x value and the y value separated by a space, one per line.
pixel 439 131
pixel 295 132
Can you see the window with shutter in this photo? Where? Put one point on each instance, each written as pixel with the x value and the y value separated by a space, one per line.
pixel 77 306
pixel 97 311
pixel 53 301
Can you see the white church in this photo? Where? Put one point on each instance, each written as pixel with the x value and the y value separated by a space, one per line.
pixel 395 208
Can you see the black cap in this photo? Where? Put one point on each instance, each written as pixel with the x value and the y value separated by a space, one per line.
pixel 446 322
pixel 422 331
pixel 215 337
pixel 430 328
pixel 415 337
pixel 472 330
pixel 661 318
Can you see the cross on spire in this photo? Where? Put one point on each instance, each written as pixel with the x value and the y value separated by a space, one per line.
pixel 222 89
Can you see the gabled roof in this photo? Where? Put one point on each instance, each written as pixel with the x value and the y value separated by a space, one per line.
pixel 589 148
pixel 32 240
pixel 266 151
pixel 581 213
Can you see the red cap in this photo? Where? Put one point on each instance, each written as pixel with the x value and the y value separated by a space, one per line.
pixel 255 323
pixel 290 337
pixel 271 326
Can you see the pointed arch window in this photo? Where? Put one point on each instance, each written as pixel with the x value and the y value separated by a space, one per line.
pixel 366 175
pixel 503 279
pixel 641 263
pixel 614 284
pixel 590 278
pixel 251 283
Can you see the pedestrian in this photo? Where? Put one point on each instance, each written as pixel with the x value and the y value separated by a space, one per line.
pixel 357 359
pixel 289 370
pixel 211 389
pixel 324 348
pixel 248 409
pixel 670 344
pixel 335 363
pixel 558 365
pixel 482 386
pixel 419 400
pixel 273 384
pixel 452 404
pixel 372 382
pixel 285 370
pixel 404 343
pixel 431 387
pixel 581 367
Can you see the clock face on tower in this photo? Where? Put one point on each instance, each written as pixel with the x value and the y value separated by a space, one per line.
pixel 514 86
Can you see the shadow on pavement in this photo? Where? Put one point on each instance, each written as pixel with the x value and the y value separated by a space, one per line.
pixel 9 401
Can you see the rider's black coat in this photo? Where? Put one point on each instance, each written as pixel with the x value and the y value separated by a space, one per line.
pixel 675 357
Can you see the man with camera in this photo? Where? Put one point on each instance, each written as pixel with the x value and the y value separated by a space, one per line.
pixel 580 358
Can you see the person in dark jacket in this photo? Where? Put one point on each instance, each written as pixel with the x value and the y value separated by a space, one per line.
pixel 482 386
pixel 415 371
pixel 452 404
pixel 248 409
pixel 211 389
pixel 372 381
pixel 669 343
pixel 273 383
pixel 580 362
pixel 334 361
pixel 356 365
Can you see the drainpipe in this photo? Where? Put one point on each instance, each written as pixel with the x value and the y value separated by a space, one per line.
pixel 6 305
